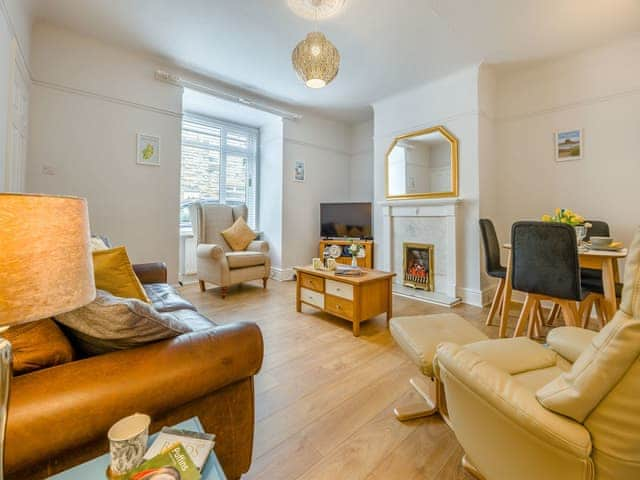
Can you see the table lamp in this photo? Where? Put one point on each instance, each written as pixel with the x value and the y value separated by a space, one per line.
pixel 46 268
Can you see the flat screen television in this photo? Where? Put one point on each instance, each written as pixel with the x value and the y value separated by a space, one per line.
pixel 345 220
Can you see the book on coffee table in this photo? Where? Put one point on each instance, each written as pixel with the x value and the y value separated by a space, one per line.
pixel 348 270
pixel 197 444
pixel 97 467
pixel 173 463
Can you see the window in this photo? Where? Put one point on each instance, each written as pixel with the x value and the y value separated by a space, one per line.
pixel 219 165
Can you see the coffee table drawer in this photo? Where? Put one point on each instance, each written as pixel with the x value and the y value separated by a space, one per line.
pixel 340 289
pixel 338 306
pixel 311 282
pixel 312 298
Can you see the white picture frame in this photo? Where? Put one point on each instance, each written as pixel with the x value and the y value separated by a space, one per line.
pixel 568 145
pixel 299 171
pixel 148 150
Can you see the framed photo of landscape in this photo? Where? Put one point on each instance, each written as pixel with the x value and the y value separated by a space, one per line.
pixel 568 145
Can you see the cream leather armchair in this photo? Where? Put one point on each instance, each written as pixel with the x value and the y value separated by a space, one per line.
pixel 216 262
pixel 571 411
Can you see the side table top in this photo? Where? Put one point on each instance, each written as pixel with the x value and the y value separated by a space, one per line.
pixel 369 275
pixel 97 468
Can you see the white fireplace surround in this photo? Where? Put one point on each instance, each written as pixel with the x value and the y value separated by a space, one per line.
pixel 431 221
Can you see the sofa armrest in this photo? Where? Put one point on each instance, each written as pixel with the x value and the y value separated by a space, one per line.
pixel 258 246
pixel 151 272
pixel 570 342
pixel 60 409
pixel 210 250
pixel 495 391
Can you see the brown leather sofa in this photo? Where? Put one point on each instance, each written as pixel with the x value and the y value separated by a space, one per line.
pixel 59 416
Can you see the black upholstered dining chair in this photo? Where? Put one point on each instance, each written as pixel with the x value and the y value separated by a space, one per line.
pixel 493 265
pixel 598 229
pixel 592 279
pixel 546 266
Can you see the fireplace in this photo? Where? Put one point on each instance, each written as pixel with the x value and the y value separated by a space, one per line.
pixel 418 265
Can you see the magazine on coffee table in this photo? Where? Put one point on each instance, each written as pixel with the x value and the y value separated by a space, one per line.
pixel 198 445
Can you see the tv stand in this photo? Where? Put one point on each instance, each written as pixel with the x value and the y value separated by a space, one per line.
pixel 365 260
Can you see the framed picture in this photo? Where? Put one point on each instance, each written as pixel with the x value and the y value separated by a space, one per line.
pixel 568 145
pixel 298 172
pixel 148 150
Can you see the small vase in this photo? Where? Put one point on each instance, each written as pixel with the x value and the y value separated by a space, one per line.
pixel 354 261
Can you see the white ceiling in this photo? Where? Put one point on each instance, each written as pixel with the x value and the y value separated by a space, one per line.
pixel 386 46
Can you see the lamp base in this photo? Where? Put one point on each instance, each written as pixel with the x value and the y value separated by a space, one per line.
pixel 5 385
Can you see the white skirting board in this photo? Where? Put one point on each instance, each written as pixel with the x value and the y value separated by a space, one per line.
pixel 282 274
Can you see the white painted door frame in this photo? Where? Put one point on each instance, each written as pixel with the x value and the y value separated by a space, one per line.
pixel 17 124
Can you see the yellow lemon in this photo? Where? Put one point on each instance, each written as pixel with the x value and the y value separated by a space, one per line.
pixel 546 218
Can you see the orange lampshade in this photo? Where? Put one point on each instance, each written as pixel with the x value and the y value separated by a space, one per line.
pixel 46 266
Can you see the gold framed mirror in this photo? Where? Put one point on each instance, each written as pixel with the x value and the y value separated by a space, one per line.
pixel 422 164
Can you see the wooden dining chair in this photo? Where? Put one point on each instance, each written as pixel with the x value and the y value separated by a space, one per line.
pixel 545 265
pixel 493 265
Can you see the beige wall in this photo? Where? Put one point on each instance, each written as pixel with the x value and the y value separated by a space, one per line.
pixel 324 146
pixel 89 100
pixel 451 101
pixel 597 90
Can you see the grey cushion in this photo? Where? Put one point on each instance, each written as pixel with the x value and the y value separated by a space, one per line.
pixel 164 298
pixel 112 323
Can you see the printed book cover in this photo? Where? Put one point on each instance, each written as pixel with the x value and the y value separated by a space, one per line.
pixel 172 464
pixel 197 444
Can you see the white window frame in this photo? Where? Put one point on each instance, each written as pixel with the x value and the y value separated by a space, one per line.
pixel 253 167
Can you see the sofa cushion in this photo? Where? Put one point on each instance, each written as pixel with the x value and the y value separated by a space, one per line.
pixel 113 272
pixel 112 323
pixel 38 345
pixel 245 259
pixel 239 235
pixel 164 298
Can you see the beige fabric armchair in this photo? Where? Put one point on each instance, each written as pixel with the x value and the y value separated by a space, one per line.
pixel 570 411
pixel 216 262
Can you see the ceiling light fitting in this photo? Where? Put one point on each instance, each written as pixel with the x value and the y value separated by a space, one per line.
pixel 315 59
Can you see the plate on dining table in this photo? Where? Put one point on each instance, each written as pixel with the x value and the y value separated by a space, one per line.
pixel 607 248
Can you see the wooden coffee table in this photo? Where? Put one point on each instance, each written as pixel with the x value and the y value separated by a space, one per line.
pixel 354 298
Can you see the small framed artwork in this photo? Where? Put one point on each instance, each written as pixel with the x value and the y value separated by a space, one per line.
pixel 298 172
pixel 148 150
pixel 568 145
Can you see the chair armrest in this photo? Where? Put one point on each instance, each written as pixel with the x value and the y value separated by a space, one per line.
pixel 63 408
pixel 512 400
pixel 570 342
pixel 210 250
pixel 151 272
pixel 258 246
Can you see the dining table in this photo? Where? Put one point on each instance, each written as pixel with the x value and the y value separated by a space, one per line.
pixel 604 260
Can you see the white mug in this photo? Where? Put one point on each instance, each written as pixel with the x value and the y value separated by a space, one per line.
pixel 128 439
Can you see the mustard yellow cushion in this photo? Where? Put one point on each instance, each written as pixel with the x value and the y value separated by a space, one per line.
pixel 113 272
pixel 239 235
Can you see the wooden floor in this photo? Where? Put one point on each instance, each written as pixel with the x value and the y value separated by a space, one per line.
pixel 324 398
